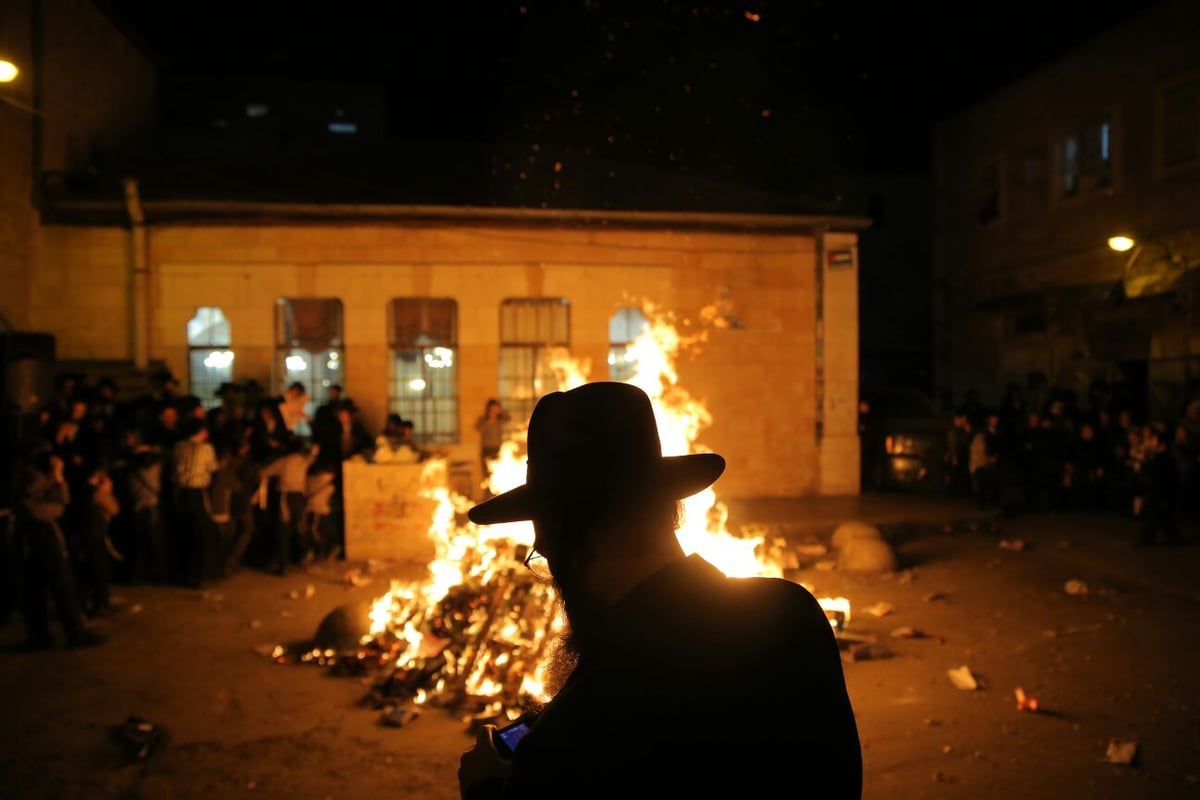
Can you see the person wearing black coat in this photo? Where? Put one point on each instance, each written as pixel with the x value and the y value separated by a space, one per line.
pixel 682 682
pixel 46 562
pixel 1158 480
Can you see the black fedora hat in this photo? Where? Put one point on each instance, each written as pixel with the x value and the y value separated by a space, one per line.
pixel 599 440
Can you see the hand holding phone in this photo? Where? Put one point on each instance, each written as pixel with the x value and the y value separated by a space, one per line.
pixel 506 738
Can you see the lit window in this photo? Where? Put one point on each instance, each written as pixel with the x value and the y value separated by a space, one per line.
pixel 533 333
pixel 1095 163
pixel 423 337
pixel 1068 165
pixel 624 328
pixel 1084 158
pixel 308 347
pixel 210 357
pixel 343 127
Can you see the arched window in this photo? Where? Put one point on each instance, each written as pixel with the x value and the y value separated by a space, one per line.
pixel 309 347
pixel 623 330
pixel 210 357
pixel 423 337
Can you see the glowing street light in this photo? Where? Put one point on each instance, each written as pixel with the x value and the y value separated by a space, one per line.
pixel 8 71
pixel 1121 243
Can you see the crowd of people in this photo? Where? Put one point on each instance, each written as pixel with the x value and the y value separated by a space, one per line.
pixel 166 489
pixel 1058 456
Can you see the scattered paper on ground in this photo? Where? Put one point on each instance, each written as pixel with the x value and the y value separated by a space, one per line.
pixel 962 678
pixel 880 609
pixel 355 577
pixel 908 632
pixel 1121 751
pixel 866 652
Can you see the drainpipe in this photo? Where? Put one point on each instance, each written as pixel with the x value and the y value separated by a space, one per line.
pixel 36 35
pixel 819 303
pixel 139 274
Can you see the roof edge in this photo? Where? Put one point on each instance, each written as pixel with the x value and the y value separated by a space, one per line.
pixel 167 212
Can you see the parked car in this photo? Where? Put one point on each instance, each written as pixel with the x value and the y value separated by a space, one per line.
pixel 904 438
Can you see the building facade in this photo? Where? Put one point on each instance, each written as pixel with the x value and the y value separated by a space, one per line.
pixel 425 310
pixel 84 91
pixel 431 311
pixel 1030 185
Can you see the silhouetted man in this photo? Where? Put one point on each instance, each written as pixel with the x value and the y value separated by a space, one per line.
pixel 683 682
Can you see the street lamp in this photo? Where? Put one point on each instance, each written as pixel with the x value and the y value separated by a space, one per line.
pixel 8 64
pixel 1121 242
pixel 1161 264
pixel 1154 264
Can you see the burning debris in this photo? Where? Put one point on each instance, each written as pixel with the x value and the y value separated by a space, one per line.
pixel 474 649
pixel 474 637
pixel 1025 702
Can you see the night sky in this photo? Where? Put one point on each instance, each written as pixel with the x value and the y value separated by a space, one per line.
pixel 771 94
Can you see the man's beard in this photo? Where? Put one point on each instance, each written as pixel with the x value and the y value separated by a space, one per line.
pixel 561 660
pixel 579 636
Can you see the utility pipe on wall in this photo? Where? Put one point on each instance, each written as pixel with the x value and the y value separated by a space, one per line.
pixel 139 275
pixel 818 235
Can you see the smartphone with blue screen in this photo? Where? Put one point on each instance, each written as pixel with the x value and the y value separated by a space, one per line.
pixel 506 738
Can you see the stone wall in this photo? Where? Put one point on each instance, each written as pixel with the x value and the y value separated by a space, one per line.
pixel 747 298
pixel 97 98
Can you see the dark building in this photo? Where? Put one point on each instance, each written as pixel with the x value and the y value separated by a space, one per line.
pixel 1029 187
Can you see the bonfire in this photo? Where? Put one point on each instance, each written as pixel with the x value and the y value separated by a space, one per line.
pixel 475 634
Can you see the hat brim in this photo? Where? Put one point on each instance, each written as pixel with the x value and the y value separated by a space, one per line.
pixel 677 477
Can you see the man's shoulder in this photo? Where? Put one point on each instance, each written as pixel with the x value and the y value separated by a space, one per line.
pixel 757 598
pixel 777 592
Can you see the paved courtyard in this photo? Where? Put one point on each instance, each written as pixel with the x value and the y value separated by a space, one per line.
pixel 1099 632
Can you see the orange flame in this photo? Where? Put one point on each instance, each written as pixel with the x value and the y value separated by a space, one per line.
pixel 483 555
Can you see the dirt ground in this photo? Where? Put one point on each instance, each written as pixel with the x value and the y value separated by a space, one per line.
pixel 1116 662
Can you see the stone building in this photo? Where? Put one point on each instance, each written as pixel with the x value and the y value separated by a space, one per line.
pixel 427 310
pixel 1030 185
pixel 84 91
